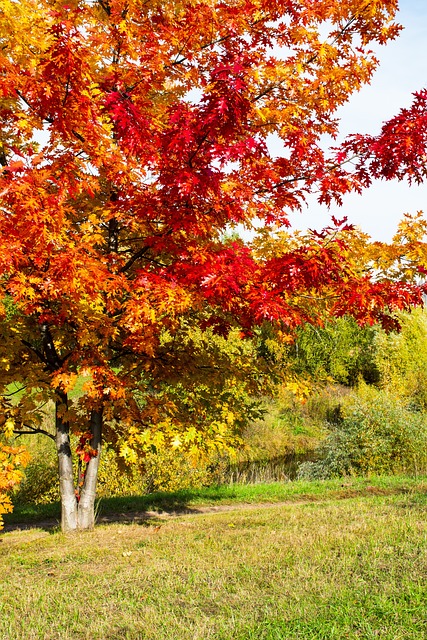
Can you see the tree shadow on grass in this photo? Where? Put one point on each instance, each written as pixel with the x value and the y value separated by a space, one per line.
pixel 52 525
pixel 144 510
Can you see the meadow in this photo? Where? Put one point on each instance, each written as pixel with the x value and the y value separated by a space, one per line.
pixel 309 561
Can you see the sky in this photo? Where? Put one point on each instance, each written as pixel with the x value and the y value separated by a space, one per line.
pixel 402 70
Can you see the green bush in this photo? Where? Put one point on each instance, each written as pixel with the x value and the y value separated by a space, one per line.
pixel 40 483
pixel 174 471
pixel 340 351
pixel 371 432
pixel 401 358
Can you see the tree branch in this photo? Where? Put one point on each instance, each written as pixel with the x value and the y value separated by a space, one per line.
pixel 105 6
pixel 8 395
pixel 32 430
pixel 30 106
pixel 38 353
pixel 133 259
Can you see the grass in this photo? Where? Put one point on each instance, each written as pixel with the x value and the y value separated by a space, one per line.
pixel 334 562
pixel 230 494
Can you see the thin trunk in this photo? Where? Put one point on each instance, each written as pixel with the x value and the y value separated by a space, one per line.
pixel 65 467
pixel 86 507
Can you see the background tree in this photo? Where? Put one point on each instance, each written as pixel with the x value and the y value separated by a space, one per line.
pixel 134 134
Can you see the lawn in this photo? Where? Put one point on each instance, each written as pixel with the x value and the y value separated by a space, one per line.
pixel 348 560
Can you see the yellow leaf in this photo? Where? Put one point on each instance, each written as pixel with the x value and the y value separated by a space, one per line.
pixel 176 442
pixel 9 426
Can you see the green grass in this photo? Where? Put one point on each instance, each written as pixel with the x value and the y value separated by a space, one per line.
pixel 231 494
pixel 334 562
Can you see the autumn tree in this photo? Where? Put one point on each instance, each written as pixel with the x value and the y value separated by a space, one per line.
pixel 134 136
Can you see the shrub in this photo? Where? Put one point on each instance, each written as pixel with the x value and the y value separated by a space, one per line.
pixel 172 471
pixel 40 481
pixel 164 471
pixel 402 358
pixel 340 351
pixel 371 432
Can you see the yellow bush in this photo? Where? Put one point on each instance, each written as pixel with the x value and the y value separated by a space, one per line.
pixel 12 459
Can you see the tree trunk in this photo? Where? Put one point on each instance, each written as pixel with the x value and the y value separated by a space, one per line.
pixel 65 466
pixel 86 505
pixel 76 515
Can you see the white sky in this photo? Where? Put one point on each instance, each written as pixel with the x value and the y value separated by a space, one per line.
pixel 402 70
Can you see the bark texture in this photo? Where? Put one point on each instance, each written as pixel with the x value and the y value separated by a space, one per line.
pixel 69 505
pixel 86 506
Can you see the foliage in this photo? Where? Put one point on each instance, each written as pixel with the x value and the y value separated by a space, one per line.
pixel 406 257
pixel 371 432
pixel 289 430
pixel 401 359
pixel 12 460
pixel 167 471
pixel 288 427
pixel 39 483
pixel 289 433
pixel 397 152
pixel 340 351
pixel 161 471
